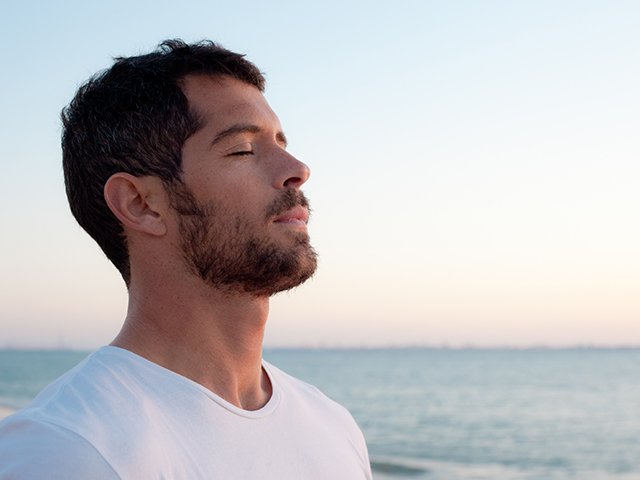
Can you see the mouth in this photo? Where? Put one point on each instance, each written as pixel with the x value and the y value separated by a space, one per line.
pixel 298 215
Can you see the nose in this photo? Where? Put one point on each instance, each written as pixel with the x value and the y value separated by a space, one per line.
pixel 294 172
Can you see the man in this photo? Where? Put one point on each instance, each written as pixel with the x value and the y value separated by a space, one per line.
pixel 177 166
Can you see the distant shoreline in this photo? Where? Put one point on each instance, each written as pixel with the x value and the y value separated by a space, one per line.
pixel 480 348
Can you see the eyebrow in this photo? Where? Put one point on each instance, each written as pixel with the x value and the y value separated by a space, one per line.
pixel 244 128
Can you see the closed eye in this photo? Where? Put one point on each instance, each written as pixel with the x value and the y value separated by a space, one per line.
pixel 241 153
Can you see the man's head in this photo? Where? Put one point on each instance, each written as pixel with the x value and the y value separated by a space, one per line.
pixel 137 117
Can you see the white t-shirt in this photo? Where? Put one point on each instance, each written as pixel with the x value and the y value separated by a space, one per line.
pixel 119 416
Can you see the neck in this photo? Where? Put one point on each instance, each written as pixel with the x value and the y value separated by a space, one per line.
pixel 210 337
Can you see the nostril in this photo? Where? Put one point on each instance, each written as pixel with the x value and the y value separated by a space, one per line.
pixel 293 182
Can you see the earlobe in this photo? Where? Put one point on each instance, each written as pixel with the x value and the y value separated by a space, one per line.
pixel 135 201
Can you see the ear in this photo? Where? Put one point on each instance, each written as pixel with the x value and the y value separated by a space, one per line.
pixel 137 202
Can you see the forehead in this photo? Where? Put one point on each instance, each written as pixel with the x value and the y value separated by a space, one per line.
pixel 221 100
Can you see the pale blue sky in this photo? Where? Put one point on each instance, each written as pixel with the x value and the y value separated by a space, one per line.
pixel 475 166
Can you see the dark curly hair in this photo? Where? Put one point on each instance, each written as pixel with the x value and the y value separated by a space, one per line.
pixel 135 118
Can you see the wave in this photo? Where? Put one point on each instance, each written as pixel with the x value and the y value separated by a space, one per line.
pixel 397 467
pixel 400 468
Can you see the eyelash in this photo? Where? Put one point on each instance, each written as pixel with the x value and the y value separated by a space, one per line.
pixel 239 154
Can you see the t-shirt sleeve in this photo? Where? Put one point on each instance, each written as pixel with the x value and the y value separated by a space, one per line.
pixel 33 450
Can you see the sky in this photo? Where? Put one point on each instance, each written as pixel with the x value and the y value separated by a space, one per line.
pixel 475 166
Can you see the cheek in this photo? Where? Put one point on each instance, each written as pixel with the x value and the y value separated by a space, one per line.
pixel 243 194
pixel 240 190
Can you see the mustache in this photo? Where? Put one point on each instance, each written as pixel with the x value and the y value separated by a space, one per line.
pixel 288 200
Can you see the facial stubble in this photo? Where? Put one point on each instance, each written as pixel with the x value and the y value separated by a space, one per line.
pixel 235 255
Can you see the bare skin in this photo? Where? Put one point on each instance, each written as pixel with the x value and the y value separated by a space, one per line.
pixel 175 319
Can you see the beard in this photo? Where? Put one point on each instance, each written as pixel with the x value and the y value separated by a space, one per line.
pixel 235 255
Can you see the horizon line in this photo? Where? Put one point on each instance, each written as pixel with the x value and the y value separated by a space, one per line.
pixel 328 347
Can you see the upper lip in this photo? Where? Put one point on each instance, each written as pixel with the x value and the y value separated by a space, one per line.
pixel 296 213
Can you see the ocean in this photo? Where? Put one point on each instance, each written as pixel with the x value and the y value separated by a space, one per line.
pixel 449 414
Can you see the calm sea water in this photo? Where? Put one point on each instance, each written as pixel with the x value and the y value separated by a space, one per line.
pixel 454 414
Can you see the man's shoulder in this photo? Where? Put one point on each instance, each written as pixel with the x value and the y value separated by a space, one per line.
pixel 96 398
pixel 98 388
pixel 320 414
pixel 32 448
pixel 99 411
pixel 291 385
pixel 299 392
